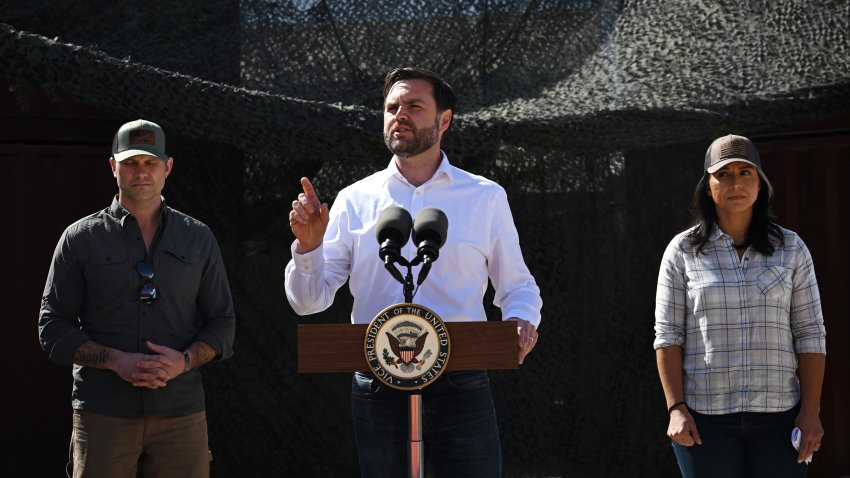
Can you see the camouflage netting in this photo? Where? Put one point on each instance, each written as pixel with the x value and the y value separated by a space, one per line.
pixel 594 115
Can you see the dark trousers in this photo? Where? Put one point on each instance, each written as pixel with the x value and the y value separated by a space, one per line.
pixel 460 434
pixel 742 445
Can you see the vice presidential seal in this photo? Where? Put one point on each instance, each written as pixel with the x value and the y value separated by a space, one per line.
pixel 407 346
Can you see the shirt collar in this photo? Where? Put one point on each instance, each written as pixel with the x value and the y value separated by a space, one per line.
pixel 117 211
pixel 443 170
pixel 717 233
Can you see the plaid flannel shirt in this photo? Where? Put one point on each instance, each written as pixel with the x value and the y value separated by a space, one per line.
pixel 740 322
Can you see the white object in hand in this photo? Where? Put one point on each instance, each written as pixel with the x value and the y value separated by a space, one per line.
pixel 796 434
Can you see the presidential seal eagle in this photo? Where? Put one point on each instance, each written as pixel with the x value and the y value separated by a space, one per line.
pixel 408 349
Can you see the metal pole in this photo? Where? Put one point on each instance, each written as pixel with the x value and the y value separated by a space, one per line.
pixel 416 449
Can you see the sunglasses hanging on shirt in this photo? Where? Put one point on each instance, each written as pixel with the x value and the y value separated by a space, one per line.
pixel 148 292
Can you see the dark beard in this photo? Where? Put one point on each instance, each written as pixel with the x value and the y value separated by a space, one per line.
pixel 422 140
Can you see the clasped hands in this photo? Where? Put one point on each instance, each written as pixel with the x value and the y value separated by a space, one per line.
pixel 151 370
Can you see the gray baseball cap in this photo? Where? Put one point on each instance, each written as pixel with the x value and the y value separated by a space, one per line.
pixel 139 137
pixel 730 148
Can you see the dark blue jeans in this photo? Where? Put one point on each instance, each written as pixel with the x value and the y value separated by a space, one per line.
pixel 742 445
pixel 460 434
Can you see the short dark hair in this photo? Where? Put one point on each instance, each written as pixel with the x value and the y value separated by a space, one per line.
pixel 444 95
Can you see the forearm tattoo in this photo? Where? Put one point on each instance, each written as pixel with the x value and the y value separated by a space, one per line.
pixel 91 356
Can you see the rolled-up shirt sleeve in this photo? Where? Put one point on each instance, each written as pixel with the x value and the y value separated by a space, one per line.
pixel 671 298
pixel 61 303
pixel 806 313
pixel 215 304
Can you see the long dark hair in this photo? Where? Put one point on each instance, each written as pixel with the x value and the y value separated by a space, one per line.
pixel 763 231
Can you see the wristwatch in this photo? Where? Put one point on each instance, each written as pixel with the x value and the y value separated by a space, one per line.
pixel 186 364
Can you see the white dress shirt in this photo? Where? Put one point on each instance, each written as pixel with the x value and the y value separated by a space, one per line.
pixel 481 243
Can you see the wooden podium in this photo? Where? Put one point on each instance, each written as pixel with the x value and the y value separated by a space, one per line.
pixel 328 348
pixel 324 348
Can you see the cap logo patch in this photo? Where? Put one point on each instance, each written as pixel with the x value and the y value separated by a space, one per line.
pixel 734 148
pixel 142 136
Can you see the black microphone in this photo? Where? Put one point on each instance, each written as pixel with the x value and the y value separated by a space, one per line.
pixel 429 235
pixel 393 231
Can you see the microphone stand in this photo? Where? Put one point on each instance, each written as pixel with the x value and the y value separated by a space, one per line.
pixel 408 286
pixel 407 280
pixel 415 445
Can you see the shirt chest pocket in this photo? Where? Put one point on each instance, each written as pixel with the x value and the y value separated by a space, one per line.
pixel 774 282
pixel 108 274
pixel 179 272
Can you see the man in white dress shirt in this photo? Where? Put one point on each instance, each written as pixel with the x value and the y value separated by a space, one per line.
pixel 338 244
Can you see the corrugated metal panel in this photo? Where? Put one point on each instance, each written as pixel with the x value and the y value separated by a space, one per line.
pixel 809 175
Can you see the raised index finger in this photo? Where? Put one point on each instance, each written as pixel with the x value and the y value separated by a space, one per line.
pixel 309 191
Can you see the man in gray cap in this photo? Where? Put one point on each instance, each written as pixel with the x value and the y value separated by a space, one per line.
pixel 137 299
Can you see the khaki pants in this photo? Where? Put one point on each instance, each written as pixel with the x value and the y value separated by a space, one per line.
pixel 160 447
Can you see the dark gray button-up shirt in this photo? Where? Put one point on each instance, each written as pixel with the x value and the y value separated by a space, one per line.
pixel 92 293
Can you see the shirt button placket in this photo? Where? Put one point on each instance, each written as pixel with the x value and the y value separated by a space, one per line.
pixel 745 338
pixel 416 201
pixel 416 204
